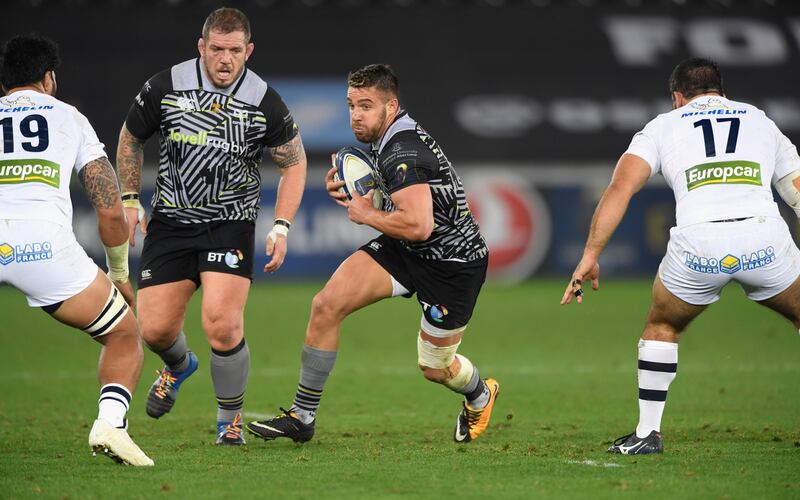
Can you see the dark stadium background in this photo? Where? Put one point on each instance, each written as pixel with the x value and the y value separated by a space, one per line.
pixel 532 100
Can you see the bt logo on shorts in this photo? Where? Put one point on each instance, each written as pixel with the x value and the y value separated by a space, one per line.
pixel 29 252
pixel 231 258
pixel 437 311
pixel 730 264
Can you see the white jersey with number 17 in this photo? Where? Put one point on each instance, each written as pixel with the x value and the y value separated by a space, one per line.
pixel 720 158
pixel 44 140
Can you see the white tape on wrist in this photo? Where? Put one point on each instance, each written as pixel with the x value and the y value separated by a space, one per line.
pixel 787 190
pixel 117 262
pixel 134 203
pixel 278 229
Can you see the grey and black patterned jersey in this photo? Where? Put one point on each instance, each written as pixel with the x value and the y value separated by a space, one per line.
pixel 408 155
pixel 211 141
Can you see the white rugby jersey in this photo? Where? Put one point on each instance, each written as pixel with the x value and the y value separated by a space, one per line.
pixel 44 140
pixel 720 158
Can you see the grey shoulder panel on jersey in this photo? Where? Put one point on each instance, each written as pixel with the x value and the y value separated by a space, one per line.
pixel 401 124
pixel 252 90
pixel 184 75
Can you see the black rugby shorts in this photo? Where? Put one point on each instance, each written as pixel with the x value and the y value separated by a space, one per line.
pixel 174 251
pixel 446 290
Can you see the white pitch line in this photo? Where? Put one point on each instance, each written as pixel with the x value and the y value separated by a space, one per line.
pixel 594 463
pixel 257 416
pixel 405 371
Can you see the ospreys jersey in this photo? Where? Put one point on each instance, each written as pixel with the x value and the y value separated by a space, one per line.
pixel 719 157
pixel 407 155
pixel 44 140
pixel 211 141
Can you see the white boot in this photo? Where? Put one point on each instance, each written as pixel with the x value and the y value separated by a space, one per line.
pixel 117 444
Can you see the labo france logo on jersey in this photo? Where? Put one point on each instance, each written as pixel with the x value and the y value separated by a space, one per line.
pixel 21 171
pixel 28 252
pixel 730 264
pixel 724 172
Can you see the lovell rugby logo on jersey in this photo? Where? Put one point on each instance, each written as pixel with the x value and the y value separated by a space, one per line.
pixel 29 252
pixel 22 171
pixel 201 139
pixel 723 172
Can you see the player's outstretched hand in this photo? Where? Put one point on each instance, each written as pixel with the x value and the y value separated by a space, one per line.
pixel 360 207
pixel 334 187
pixel 126 289
pixel 588 268
pixel 276 248
pixel 135 217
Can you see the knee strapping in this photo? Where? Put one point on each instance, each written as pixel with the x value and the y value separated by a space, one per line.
pixel 112 313
pixel 433 356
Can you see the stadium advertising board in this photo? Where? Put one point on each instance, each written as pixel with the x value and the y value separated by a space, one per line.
pixel 531 229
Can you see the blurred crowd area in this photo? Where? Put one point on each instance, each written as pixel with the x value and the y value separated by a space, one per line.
pixel 532 100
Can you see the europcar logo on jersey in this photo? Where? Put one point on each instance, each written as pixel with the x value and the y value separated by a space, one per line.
pixel 33 170
pixel 724 172
pixel 708 265
pixel 233 258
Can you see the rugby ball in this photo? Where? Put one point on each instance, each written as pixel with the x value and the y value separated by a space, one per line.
pixel 354 167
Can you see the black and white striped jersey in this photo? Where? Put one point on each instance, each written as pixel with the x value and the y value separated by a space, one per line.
pixel 408 155
pixel 211 141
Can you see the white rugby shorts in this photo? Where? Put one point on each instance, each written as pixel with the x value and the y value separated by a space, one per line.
pixel 44 261
pixel 758 253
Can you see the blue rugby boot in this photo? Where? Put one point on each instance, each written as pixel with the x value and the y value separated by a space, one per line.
pixel 164 390
pixel 230 433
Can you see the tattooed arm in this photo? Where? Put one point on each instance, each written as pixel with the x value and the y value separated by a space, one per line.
pixel 291 160
pixel 100 183
pixel 130 157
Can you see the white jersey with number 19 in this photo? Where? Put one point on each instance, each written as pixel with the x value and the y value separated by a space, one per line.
pixel 44 140
pixel 720 158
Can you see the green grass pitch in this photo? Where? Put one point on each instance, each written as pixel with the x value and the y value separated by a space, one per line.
pixel 568 387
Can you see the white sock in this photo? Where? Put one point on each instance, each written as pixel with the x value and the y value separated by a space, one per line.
pixel 113 405
pixel 658 366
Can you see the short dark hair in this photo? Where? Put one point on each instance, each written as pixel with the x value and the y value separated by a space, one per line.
pixel 25 60
pixel 227 20
pixel 375 75
pixel 696 76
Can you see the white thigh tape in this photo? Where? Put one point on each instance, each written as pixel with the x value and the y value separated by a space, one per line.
pixel 111 315
pixel 434 331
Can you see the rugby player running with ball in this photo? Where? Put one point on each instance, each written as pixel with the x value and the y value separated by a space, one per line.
pixel 431 245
